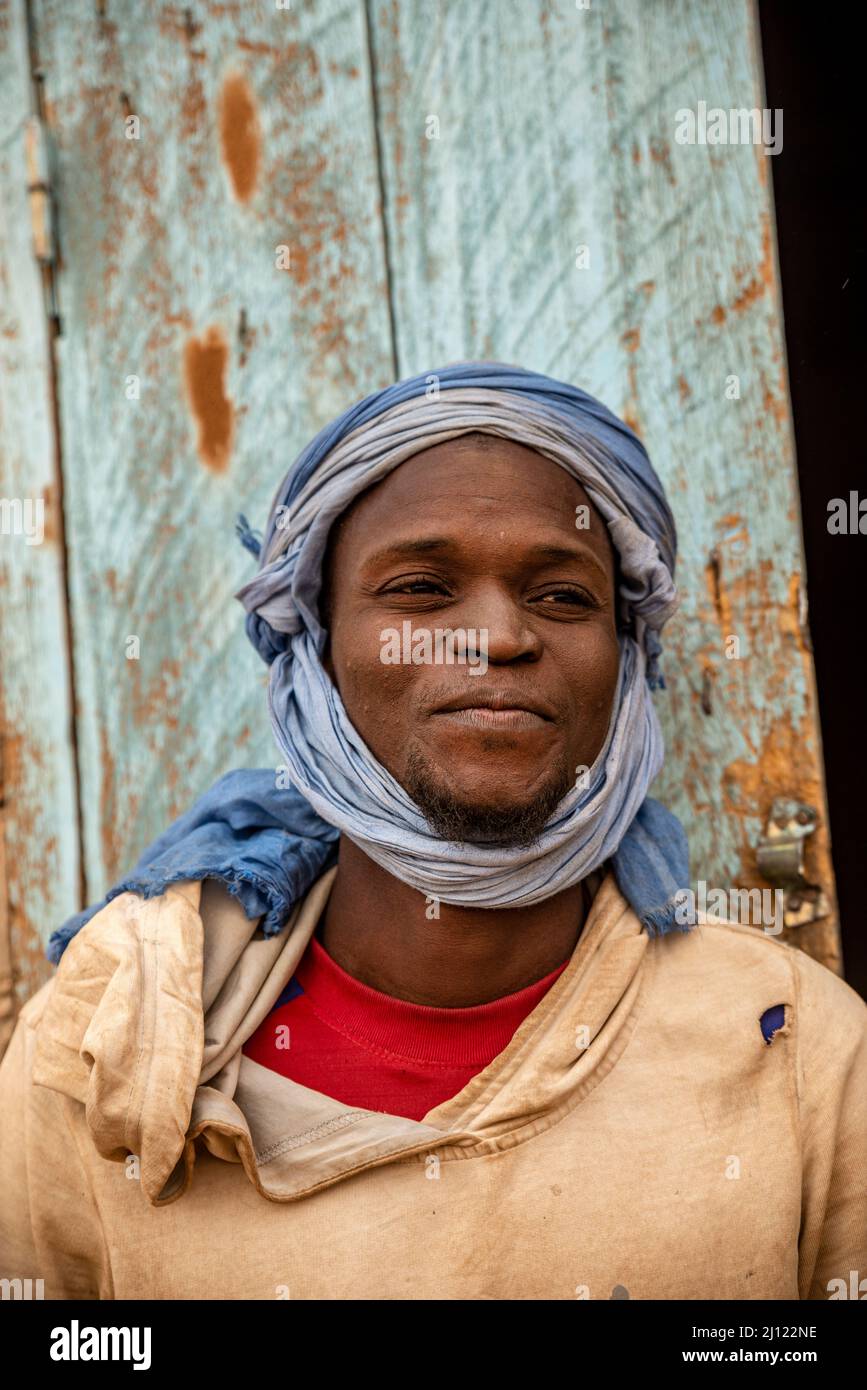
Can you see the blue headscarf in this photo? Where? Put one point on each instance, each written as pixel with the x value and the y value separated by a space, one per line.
pixel 267 836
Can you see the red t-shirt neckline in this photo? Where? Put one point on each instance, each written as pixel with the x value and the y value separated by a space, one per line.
pixel 419 1032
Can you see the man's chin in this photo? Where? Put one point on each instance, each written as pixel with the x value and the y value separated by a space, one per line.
pixel 456 815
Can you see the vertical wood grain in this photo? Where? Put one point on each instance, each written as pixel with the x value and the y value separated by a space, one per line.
pixel 38 813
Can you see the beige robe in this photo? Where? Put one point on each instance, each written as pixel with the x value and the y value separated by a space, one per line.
pixel 636 1138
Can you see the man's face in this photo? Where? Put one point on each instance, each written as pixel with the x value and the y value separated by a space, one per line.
pixel 477 535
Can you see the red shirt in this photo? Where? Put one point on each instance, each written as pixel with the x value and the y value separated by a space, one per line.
pixel 371 1051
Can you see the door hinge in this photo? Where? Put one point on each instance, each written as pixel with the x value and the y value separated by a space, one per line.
pixel 41 202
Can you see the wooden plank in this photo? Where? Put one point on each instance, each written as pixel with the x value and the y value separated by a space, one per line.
pixel 255 133
pixel 554 128
pixel 38 802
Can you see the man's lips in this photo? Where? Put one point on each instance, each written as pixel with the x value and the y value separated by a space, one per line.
pixel 482 717
pixel 491 710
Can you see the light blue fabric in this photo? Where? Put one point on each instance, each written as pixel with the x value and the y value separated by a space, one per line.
pixel 268 844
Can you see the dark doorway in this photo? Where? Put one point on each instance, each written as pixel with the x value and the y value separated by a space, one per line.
pixel 814 72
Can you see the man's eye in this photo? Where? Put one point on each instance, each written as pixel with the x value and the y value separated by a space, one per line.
pixel 415 586
pixel 576 597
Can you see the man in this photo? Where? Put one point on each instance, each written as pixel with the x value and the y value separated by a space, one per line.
pixel 414 1019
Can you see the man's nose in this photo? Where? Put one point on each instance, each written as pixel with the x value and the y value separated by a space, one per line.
pixel 503 623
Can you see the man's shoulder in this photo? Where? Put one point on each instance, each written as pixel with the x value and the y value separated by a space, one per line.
pixel 731 947
pixel 724 966
pixel 745 947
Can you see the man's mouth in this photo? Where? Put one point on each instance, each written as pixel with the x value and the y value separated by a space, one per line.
pixel 496 711
pixel 481 717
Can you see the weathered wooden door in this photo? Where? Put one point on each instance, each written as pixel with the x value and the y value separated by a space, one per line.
pixel 245 218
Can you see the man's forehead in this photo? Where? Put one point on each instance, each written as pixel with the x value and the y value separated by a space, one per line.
pixel 366 542
pixel 477 469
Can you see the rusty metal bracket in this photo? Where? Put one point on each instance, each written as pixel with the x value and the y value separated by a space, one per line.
pixel 37 157
pixel 780 858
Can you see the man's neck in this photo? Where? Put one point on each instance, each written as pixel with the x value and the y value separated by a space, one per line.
pixel 378 930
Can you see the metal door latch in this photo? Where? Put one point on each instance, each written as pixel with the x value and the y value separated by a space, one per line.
pixel 780 858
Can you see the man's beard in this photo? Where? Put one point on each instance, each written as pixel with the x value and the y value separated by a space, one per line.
pixel 514 827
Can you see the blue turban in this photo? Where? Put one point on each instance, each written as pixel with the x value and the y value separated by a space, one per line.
pixel 268 841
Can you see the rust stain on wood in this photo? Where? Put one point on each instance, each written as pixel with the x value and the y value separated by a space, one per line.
pixel 764 277
pixel 718 596
pixel 28 966
pixel 205 363
pixel 50 503
pixel 108 818
pixel 775 404
pixel 193 107
pixel 240 136
pixel 150 702
pixel 250 46
pixel 630 418
pixel 660 153
pixel 707 689
pixel 174 20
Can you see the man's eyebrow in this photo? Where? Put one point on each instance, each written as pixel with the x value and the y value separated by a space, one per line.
pixel 426 545
pixel 423 545
pixel 568 555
